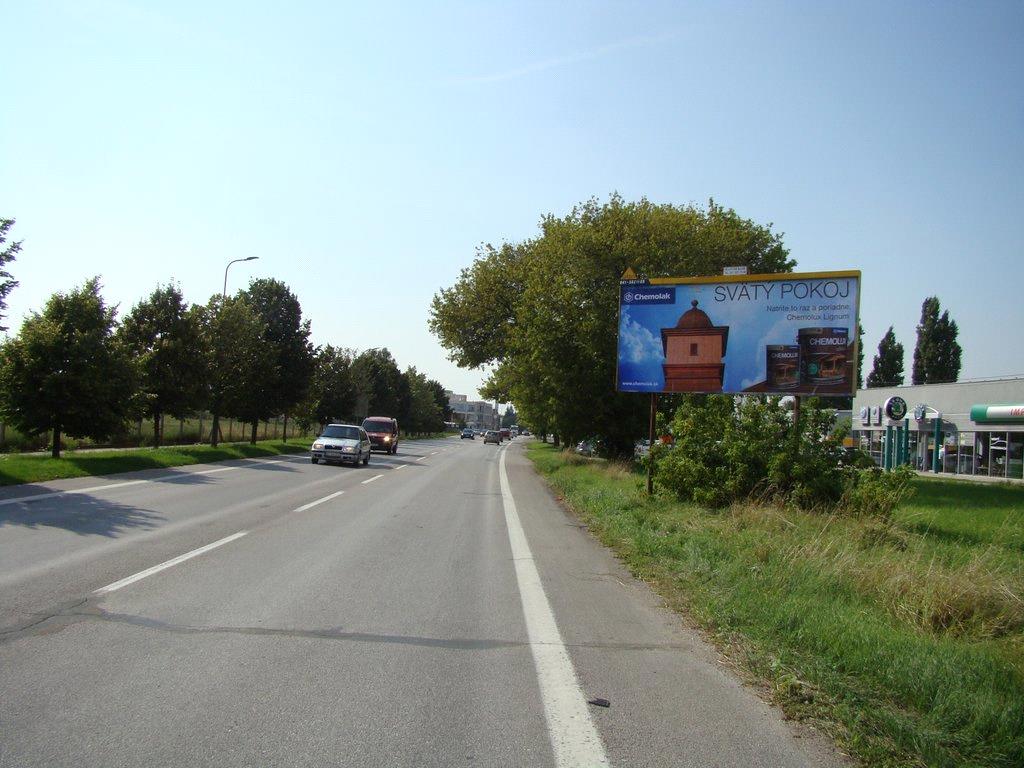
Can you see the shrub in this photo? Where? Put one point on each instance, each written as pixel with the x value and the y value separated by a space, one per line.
pixel 730 449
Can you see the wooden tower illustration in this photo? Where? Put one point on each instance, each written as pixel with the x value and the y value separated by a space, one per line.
pixel 693 353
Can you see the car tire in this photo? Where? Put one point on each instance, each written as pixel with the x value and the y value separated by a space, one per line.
pixel 315 461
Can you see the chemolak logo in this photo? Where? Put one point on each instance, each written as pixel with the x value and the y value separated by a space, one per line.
pixel 649 295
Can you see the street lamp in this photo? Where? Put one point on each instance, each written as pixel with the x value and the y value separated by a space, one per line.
pixel 224 293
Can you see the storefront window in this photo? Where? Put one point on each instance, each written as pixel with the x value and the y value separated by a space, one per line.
pixel 1015 455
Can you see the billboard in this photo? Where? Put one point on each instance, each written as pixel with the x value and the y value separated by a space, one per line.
pixel 787 334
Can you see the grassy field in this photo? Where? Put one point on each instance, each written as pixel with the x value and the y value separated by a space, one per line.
pixel 903 641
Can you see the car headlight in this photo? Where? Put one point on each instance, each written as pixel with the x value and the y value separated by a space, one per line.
pixel 387 438
pixel 317 446
pixel 348 449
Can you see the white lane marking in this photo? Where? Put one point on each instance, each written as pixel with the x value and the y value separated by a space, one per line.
pixel 432 453
pixel 421 458
pixel 574 738
pixel 401 466
pixel 312 504
pixel 375 477
pixel 170 563
pixel 95 488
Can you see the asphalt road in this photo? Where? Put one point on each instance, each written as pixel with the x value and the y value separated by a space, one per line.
pixel 436 608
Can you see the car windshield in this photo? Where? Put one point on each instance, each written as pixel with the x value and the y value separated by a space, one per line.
pixel 344 433
pixel 377 426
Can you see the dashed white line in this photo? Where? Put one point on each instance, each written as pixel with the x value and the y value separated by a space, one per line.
pixel 172 562
pixel 421 458
pixel 401 466
pixel 312 504
pixel 574 738
pixel 375 477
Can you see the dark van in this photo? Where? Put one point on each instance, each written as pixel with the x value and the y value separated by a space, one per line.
pixel 383 433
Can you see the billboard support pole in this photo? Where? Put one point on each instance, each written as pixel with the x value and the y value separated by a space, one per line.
pixel 650 445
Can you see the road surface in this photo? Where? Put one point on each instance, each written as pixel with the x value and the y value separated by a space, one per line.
pixel 435 608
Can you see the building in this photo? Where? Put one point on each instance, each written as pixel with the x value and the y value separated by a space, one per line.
pixel 694 349
pixel 966 428
pixel 476 414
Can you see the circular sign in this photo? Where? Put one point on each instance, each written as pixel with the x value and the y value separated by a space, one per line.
pixel 895 408
pixel 628 297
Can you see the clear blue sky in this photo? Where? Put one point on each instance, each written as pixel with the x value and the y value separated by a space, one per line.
pixel 363 152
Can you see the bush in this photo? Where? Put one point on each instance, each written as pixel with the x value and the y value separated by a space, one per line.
pixel 729 449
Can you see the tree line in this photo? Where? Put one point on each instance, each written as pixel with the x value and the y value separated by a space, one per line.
pixel 73 370
pixel 936 355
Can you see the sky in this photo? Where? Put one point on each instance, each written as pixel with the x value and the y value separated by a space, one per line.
pixel 364 151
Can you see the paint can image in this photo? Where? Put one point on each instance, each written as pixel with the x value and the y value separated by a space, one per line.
pixel 782 366
pixel 823 353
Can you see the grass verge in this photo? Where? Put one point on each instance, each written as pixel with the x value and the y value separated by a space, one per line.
pixel 904 641
pixel 19 468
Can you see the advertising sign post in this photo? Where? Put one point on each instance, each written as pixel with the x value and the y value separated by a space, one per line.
pixel 780 334
pixel 784 334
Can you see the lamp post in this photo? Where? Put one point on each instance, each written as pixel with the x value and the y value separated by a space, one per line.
pixel 224 292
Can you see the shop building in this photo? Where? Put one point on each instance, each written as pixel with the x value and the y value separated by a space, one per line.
pixel 966 428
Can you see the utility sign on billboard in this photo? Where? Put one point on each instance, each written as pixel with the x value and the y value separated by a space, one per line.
pixel 790 334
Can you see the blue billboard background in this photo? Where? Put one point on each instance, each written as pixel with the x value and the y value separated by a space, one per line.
pixel 758 312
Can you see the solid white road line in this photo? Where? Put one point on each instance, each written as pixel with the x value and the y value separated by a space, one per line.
pixel 401 466
pixel 574 738
pixel 172 562
pixel 421 458
pixel 95 488
pixel 312 504
pixel 375 477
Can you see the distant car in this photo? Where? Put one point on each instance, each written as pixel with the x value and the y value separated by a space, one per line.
pixel 506 434
pixel 467 433
pixel 383 432
pixel 641 449
pixel 343 443
pixel 524 432
pixel 491 436
pixel 585 448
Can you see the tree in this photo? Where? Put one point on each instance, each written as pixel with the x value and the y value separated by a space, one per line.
pixel 937 353
pixel 545 311
pixel 286 380
pixel 385 389
pixel 509 418
pixel 237 360
pixel 424 415
pixel 333 388
pixel 887 368
pixel 7 255
pixel 860 358
pixel 66 372
pixel 165 338
pixel 437 389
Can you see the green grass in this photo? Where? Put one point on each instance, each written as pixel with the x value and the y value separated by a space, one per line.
pixel 904 641
pixel 20 468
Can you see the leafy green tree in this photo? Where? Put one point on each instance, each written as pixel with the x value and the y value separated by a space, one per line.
pixel 7 255
pixel 437 389
pixel 386 390
pixel 937 353
pixel 287 378
pixel 237 360
pixel 66 373
pixel 860 358
pixel 164 336
pixel 424 415
pixel 545 311
pixel 333 388
pixel 887 368
pixel 509 418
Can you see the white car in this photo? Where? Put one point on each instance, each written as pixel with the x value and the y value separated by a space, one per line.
pixel 342 443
